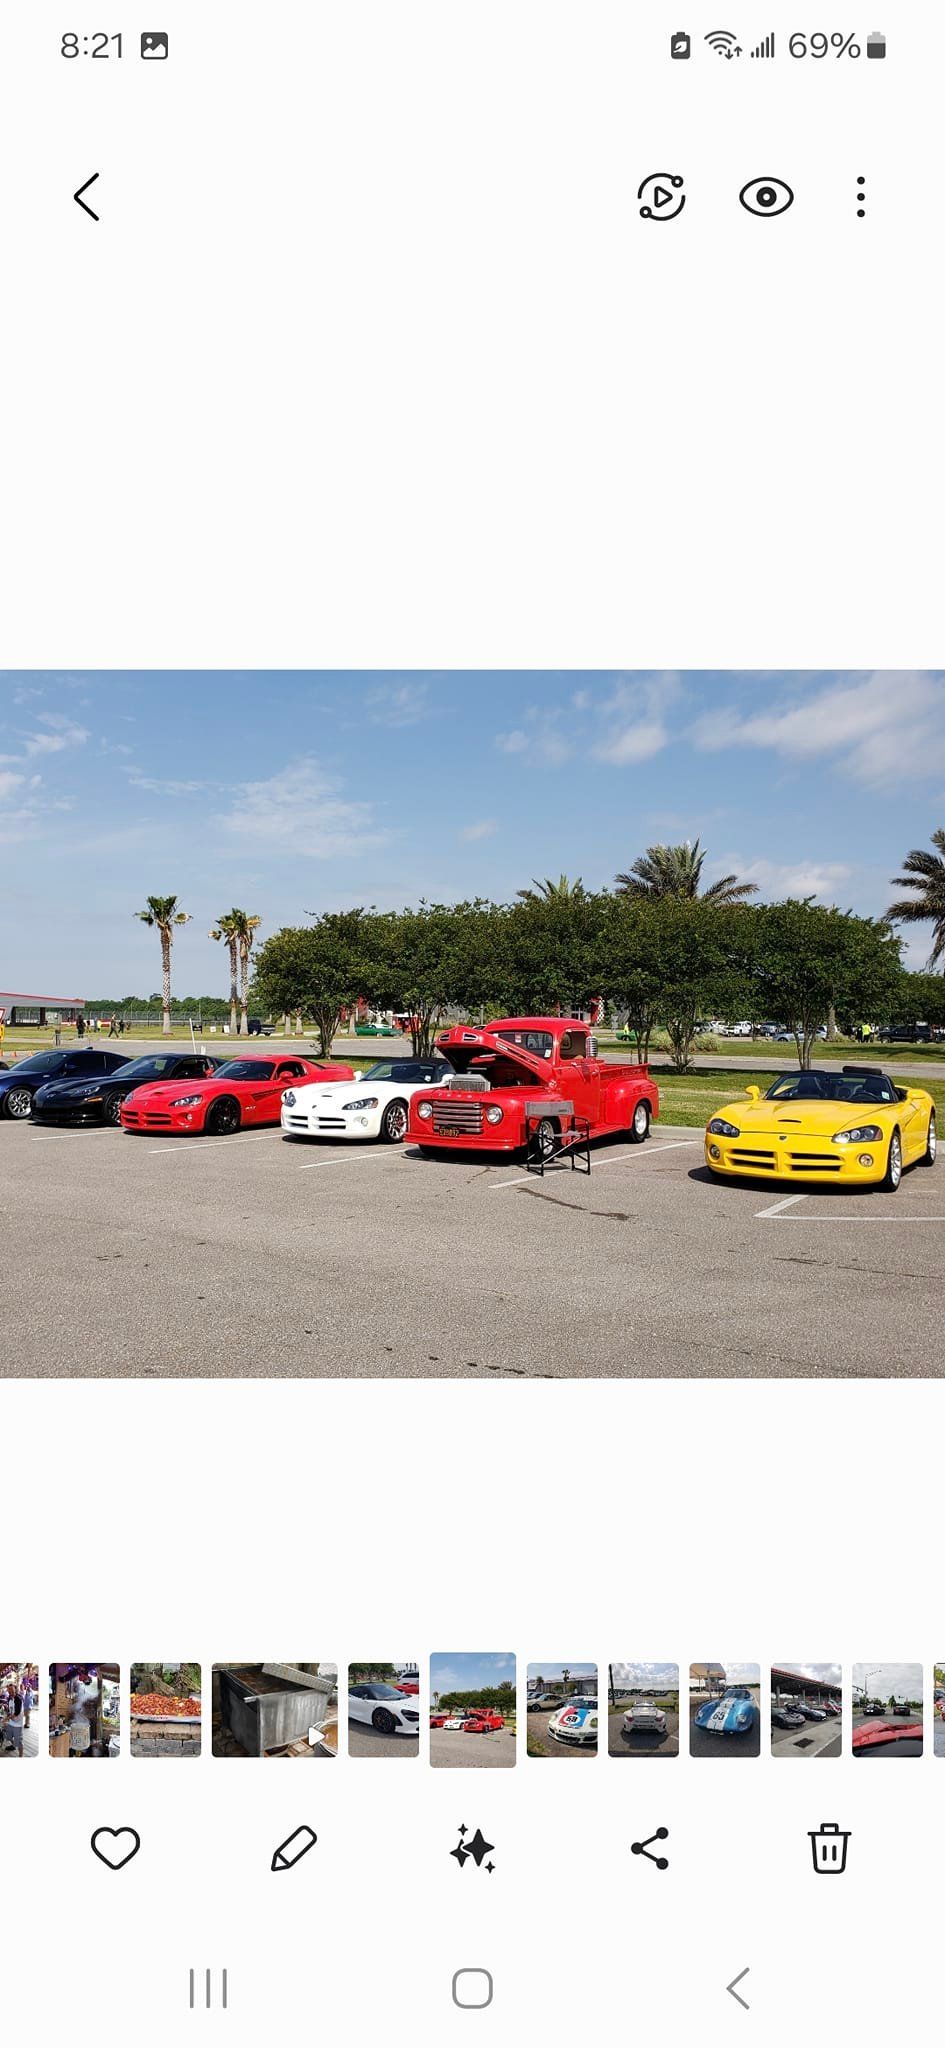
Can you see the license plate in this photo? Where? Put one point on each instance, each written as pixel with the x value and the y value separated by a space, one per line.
pixel 451 1131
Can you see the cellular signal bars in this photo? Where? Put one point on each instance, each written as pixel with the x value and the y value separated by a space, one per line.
pixel 766 47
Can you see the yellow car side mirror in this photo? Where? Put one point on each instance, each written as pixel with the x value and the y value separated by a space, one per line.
pixel 754 1092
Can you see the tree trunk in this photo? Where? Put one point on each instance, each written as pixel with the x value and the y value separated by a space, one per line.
pixel 166 983
pixel 244 981
pixel 832 1031
pixel 234 1021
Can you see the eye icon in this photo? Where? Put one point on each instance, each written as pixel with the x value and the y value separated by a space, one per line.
pixel 766 196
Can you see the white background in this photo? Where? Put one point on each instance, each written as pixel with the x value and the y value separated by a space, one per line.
pixel 370 360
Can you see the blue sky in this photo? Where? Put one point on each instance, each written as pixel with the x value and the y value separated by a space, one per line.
pixel 464 1670
pixel 293 792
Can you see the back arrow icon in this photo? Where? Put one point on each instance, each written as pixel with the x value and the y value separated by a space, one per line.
pixel 737 1994
pixel 77 196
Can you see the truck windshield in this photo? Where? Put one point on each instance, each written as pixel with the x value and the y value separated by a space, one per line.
pixel 531 1041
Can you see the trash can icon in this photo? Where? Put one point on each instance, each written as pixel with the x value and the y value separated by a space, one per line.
pixel 829 1848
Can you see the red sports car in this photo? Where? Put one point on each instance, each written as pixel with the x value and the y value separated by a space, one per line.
pixel 482 1723
pixel 240 1092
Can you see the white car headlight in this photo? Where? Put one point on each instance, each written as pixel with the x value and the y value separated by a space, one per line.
pixel 185 1101
pixel 363 1102
pixel 494 1113
pixel 426 1111
pixel 288 1095
pixel 860 1134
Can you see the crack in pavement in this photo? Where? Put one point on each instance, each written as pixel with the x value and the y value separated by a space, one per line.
pixel 609 1215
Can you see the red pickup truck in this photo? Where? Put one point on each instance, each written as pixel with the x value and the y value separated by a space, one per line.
pixel 522 1081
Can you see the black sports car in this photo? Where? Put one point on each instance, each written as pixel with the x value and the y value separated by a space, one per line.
pixel 97 1098
pixel 21 1082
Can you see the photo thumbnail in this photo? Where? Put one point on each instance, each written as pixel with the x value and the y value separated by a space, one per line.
pixel 19 1701
pixel 643 1709
pixel 806 1710
pixel 938 1711
pixel 84 1709
pixel 561 1707
pixel 165 1710
pixel 276 1709
pixel 384 1708
pixel 472 1709
pixel 724 1709
pixel 887 1710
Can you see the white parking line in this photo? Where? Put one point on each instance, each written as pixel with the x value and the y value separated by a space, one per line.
pixel 626 1158
pixel 898 1221
pixel 778 1208
pixel 204 1144
pixel 357 1159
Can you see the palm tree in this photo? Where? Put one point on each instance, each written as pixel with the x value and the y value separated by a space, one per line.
pixel 226 929
pixel 246 929
pixel 925 873
pixel 162 915
pixel 561 891
pixel 676 871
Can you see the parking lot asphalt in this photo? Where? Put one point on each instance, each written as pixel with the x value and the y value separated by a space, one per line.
pixel 816 1738
pixel 452 1747
pixel 938 1732
pixel 708 1742
pixel 366 1741
pixel 541 1743
pixel 251 1256
pixel 644 1742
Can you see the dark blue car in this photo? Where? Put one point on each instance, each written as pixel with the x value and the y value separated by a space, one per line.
pixel 21 1082
pixel 97 1098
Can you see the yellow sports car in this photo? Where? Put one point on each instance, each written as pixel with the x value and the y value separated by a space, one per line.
pixel 848 1125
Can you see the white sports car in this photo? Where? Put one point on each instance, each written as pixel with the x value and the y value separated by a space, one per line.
pixel 374 1105
pixel 644 1716
pixel 576 1721
pixel 384 1708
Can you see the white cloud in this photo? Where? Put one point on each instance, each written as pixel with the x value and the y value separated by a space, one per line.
pixel 157 787
pixel 883 729
pixel 633 723
pixel 8 783
pixel 484 828
pixel 823 879
pixel 58 734
pixel 302 810
pixel 398 703
pixel 512 742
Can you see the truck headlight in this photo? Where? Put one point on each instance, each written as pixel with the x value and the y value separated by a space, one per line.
pixel 494 1113
pixel 861 1134
pixel 425 1111
pixel 720 1129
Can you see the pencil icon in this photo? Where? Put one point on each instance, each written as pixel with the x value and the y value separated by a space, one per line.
pixel 293 1849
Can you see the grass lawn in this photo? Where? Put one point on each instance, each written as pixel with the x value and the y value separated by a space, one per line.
pixel 692 1098
pixel 762 1049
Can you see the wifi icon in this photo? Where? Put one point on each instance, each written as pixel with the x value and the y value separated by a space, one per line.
pixel 722 41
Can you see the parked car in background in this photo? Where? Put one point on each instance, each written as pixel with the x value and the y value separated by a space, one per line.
pixel 22 1082
pixel 576 1723
pixel 786 1717
pixel 257 1029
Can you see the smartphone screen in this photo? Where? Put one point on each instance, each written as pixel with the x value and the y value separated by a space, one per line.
pixel 472 1023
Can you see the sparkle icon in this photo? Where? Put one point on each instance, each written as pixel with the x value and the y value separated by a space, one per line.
pixel 474 1846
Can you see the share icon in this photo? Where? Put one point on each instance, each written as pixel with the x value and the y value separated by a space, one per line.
pixel 643 1849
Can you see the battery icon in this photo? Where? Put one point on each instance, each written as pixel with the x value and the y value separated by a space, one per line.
pixel 680 44
pixel 876 44
pixel 829 1848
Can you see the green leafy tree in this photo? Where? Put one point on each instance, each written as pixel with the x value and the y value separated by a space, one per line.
pixel 924 874
pixel 318 970
pixel 436 958
pixel 548 891
pixel 163 915
pixel 554 955
pixel 810 956
pixel 676 871
pixel 246 928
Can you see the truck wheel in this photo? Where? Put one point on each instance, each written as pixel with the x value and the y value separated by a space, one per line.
pixel 544 1138
pixel 640 1126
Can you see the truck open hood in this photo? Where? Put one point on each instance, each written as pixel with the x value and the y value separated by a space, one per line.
pixel 472 1051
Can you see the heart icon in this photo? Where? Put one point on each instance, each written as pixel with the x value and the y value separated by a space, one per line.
pixel 116 1846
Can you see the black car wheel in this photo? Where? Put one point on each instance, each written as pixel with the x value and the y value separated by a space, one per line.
pixel 394 1123
pixel 640 1127
pixel 383 1721
pixel 223 1117
pixel 112 1108
pixel 18 1103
